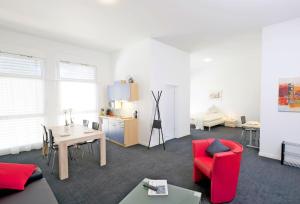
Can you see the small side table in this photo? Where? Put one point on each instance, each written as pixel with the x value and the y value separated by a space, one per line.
pixel 252 126
pixel 230 122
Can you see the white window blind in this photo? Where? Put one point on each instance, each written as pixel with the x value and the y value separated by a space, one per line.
pixel 21 104
pixel 21 96
pixel 20 65
pixel 20 134
pixel 78 96
pixel 78 90
pixel 69 71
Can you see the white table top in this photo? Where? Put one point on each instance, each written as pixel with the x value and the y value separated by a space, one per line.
pixel 63 133
pixel 252 124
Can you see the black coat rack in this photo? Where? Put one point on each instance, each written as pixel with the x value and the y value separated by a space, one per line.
pixel 157 122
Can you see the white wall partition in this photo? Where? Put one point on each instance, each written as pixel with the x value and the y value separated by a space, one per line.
pixel 135 61
pixel 171 66
pixel 281 59
pixel 154 66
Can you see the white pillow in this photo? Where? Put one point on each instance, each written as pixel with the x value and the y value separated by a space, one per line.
pixel 213 116
pixel 213 109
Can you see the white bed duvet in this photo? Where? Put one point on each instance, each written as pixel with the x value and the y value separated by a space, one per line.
pixel 208 119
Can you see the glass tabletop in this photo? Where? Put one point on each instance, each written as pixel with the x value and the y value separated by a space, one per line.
pixel 177 195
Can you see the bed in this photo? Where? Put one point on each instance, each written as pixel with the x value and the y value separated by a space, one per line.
pixel 208 119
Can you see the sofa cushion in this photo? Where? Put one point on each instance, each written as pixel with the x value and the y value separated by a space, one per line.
pixel 14 176
pixel 215 147
pixel 204 164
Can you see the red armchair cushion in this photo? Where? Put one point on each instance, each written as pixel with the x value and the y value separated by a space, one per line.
pixel 216 147
pixel 14 176
pixel 204 164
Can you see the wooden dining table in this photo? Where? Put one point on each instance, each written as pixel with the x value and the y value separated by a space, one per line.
pixel 65 136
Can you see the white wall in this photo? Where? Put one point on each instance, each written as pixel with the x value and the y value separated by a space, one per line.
pixel 281 58
pixel 170 66
pixel 153 65
pixel 134 61
pixel 234 70
pixel 52 52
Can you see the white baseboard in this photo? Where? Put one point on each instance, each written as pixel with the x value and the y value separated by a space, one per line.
pixel 143 143
pixel 156 144
pixel 269 155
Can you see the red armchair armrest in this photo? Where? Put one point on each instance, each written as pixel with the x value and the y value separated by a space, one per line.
pixel 199 147
pixel 225 174
pixel 225 163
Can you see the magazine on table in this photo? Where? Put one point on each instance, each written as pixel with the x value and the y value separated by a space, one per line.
pixel 162 187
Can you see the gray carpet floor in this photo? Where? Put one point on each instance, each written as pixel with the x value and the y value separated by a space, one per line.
pixel 261 181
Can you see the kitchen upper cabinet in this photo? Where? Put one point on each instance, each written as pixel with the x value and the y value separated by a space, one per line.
pixel 122 91
pixel 110 93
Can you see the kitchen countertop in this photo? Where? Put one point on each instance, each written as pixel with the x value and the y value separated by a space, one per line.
pixel 118 117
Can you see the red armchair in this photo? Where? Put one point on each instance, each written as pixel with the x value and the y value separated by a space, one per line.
pixel 222 170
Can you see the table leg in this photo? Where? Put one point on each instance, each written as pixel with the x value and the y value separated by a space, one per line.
pixel 102 150
pixel 250 142
pixel 256 138
pixel 63 161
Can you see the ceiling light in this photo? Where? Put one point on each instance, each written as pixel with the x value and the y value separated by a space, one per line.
pixel 107 1
pixel 207 59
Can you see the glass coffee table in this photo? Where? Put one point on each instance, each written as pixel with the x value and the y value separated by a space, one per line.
pixel 177 195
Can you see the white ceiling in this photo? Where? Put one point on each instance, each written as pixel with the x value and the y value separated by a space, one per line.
pixel 186 24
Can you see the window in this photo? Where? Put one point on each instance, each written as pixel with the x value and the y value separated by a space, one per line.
pixel 21 104
pixel 78 91
pixel 74 71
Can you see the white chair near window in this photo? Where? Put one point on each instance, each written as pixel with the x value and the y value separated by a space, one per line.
pixel 88 144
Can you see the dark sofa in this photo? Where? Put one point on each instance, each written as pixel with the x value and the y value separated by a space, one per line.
pixel 35 193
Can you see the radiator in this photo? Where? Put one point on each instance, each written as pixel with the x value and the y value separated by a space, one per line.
pixel 290 154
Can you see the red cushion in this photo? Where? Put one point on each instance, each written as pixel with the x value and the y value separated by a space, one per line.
pixel 204 164
pixel 14 176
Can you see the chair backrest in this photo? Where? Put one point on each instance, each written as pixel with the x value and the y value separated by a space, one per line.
pixel 85 123
pixel 243 119
pixel 45 134
pixel 51 138
pixel 95 126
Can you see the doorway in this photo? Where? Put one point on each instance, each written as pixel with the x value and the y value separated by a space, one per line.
pixel 168 113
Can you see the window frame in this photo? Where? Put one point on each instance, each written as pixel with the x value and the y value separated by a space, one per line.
pixel 59 78
pixel 42 62
pixel 20 76
pixel 41 116
pixel 94 81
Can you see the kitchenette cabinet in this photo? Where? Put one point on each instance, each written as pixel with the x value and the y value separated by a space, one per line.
pixel 120 91
pixel 122 131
